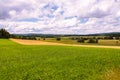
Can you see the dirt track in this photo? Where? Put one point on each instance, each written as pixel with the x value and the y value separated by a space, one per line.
pixel 35 42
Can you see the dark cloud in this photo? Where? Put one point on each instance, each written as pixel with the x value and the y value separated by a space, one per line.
pixel 4 15
pixel 99 13
pixel 6 8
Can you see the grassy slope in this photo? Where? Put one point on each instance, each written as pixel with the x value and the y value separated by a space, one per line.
pixel 19 62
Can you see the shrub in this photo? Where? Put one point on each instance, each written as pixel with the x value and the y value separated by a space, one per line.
pixel 108 37
pixel 72 38
pixel 81 40
pixel 93 40
pixel 96 40
pixel 58 39
pixel 43 38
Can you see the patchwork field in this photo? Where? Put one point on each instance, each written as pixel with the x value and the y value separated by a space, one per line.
pixel 66 40
pixel 55 62
pixel 36 42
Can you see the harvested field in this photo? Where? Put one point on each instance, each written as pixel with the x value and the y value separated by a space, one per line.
pixel 35 42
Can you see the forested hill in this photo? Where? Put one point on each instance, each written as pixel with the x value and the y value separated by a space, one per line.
pixel 113 34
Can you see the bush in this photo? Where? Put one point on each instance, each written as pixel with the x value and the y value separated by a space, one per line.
pixel 81 40
pixel 43 38
pixel 93 40
pixel 58 39
pixel 108 37
pixel 72 38
pixel 96 40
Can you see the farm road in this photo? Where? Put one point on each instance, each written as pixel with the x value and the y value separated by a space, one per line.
pixel 35 42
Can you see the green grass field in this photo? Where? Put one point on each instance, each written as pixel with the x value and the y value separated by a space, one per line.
pixel 19 62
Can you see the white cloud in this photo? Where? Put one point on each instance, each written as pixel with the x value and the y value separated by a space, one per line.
pixel 60 16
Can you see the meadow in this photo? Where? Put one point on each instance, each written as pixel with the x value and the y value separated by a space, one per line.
pixel 42 62
pixel 66 40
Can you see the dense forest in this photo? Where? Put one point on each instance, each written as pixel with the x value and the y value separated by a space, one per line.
pixel 4 34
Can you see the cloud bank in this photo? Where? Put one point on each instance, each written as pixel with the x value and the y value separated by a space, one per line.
pixel 60 16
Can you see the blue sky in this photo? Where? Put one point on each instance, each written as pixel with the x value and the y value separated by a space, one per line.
pixel 60 16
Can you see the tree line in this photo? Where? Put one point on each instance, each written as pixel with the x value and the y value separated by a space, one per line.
pixel 4 34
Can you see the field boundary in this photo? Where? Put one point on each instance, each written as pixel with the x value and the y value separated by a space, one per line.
pixel 35 42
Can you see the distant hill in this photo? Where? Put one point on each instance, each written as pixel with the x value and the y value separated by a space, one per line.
pixel 112 34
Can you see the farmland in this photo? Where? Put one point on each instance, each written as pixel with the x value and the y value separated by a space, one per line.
pixel 66 40
pixel 108 39
pixel 46 62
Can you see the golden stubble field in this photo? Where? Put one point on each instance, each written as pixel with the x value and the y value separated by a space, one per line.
pixel 35 42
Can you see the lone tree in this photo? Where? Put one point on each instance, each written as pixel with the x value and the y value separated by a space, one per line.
pixel 4 34
pixel 58 38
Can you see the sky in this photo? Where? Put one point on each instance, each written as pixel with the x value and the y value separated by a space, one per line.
pixel 60 16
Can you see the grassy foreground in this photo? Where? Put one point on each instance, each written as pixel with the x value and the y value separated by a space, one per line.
pixel 19 62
